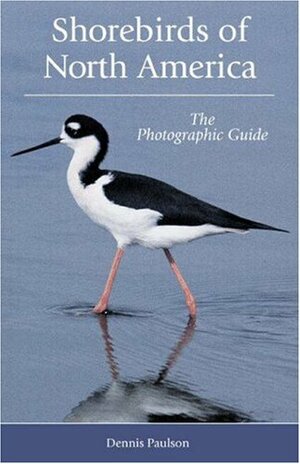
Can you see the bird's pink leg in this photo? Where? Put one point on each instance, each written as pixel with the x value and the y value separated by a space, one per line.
pixel 103 302
pixel 190 300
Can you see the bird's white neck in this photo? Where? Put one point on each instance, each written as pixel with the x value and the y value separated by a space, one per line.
pixel 85 152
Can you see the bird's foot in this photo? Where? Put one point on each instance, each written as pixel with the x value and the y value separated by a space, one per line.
pixel 101 306
pixel 192 305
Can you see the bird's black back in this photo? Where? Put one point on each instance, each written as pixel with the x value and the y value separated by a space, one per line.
pixel 177 208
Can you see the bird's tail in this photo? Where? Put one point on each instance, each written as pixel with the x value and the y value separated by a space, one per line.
pixel 261 226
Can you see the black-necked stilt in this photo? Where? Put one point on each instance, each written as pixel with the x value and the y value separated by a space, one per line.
pixel 136 209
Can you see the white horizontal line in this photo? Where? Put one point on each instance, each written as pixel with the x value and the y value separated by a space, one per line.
pixel 149 95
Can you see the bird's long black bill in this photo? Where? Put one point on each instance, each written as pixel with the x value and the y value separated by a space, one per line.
pixel 37 147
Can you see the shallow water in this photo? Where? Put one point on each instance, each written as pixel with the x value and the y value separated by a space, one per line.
pixel 145 360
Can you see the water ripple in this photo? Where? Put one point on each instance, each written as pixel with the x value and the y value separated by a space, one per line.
pixel 86 310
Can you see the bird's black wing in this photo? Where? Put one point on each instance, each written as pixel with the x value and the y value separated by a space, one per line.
pixel 177 208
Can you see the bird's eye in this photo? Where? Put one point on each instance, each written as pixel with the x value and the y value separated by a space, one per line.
pixel 73 132
pixel 73 129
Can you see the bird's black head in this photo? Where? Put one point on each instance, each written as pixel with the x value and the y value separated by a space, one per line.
pixel 83 133
pixel 80 125
pixel 79 132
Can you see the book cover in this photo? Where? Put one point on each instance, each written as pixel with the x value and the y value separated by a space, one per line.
pixel 154 318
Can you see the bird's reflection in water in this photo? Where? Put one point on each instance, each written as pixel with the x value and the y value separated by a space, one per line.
pixel 149 400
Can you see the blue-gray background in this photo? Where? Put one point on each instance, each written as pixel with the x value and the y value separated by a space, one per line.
pixel 243 354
